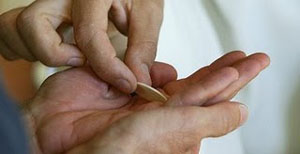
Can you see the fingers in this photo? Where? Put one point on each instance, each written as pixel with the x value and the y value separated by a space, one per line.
pixel 11 45
pixel 37 25
pixel 264 59
pixel 144 27
pixel 90 25
pixel 200 92
pixel 226 60
pixel 162 74
pixel 248 69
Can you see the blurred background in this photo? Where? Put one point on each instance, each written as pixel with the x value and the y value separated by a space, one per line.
pixel 207 29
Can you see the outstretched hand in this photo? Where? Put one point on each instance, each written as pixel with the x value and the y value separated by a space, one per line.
pixel 76 112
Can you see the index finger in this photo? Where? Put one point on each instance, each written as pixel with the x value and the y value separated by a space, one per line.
pixel 90 24
pixel 144 27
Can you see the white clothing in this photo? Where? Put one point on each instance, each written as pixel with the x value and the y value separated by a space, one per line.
pixel 196 32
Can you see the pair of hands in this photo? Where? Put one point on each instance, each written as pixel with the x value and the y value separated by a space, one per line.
pixel 74 112
pixel 34 33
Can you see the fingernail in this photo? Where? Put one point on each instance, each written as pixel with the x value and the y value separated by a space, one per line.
pixel 75 62
pixel 124 85
pixel 243 114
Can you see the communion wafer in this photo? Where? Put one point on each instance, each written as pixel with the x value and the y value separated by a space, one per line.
pixel 149 93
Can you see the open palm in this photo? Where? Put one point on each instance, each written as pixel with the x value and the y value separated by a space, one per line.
pixel 74 106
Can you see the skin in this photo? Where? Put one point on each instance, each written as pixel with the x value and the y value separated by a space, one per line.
pixel 75 112
pixel 32 33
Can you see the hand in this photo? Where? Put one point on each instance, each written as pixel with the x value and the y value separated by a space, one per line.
pixel 31 33
pixel 74 111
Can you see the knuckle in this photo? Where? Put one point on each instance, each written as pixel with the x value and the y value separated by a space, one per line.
pixel 50 54
pixel 26 18
pixel 86 33
pixel 148 45
pixel 144 51
pixel 200 96
pixel 228 123
pixel 226 126
pixel 22 18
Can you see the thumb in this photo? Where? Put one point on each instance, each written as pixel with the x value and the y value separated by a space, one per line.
pixel 222 118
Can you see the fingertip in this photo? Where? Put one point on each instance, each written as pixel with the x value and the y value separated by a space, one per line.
pixel 114 72
pixel 76 61
pixel 139 67
pixel 125 86
pixel 263 58
pixel 126 82
pixel 243 114
pixel 142 73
